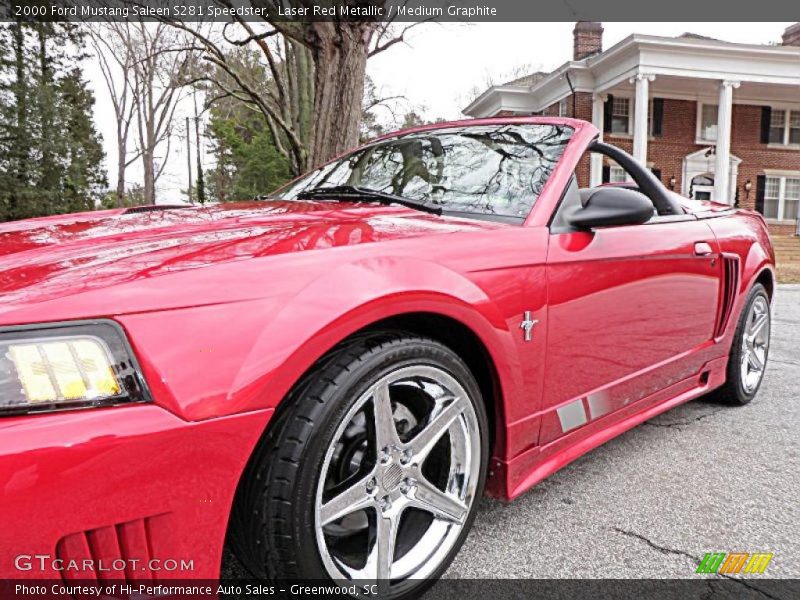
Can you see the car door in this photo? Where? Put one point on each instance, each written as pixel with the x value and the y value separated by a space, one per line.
pixel 631 310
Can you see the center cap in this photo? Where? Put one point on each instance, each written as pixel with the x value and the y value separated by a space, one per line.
pixel 392 476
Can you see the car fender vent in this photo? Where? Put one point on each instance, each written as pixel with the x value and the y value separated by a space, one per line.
pixel 728 288
pixel 127 547
pixel 152 208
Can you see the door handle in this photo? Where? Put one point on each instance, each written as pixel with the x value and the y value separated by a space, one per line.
pixel 702 249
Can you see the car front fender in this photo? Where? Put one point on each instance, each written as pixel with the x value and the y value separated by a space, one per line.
pixel 355 296
pixel 211 361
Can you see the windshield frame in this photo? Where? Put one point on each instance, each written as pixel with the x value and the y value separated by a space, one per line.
pixel 568 129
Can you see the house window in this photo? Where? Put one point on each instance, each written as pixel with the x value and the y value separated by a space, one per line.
pixel 777 125
pixel 791 199
pixel 772 197
pixel 782 198
pixel 794 126
pixel 562 108
pixel 617 175
pixel 709 114
pixel 784 126
pixel 620 115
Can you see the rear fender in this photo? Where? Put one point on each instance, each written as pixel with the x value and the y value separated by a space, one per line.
pixel 745 235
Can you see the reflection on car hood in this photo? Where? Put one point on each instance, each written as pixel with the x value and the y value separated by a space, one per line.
pixel 42 257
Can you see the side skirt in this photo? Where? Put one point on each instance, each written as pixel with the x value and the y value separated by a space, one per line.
pixel 507 480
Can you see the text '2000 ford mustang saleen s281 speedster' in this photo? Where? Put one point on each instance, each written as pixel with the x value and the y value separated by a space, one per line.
pixel 331 378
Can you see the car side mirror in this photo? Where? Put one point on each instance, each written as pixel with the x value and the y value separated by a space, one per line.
pixel 608 206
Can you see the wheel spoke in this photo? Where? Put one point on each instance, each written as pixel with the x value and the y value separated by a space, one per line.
pixel 758 325
pixel 385 428
pixel 380 559
pixel 426 439
pixel 441 505
pixel 755 360
pixel 352 499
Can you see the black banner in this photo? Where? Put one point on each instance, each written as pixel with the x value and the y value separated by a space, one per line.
pixel 713 587
pixel 464 11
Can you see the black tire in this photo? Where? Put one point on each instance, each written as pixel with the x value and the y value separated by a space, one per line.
pixel 272 529
pixel 733 391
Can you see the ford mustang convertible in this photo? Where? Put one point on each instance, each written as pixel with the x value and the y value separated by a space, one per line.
pixel 329 379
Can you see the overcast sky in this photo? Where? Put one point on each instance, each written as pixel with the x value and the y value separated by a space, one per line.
pixel 441 65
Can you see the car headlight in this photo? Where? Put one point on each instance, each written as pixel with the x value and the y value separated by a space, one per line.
pixel 67 365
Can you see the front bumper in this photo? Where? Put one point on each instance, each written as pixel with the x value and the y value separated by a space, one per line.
pixel 127 488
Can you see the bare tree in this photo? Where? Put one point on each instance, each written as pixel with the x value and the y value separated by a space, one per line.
pixel 314 103
pixel 116 64
pixel 163 60
pixel 145 67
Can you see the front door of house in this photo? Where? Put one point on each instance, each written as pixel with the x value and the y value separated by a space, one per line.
pixel 702 192
pixel 698 176
pixel 702 187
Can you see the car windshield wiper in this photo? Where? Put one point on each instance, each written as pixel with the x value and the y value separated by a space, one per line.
pixel 351 192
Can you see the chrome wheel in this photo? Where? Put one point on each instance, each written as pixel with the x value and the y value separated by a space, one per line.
pixel 755 344
pixel 399 478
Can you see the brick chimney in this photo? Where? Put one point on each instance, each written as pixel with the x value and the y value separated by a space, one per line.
pixel 791 37
pixel 588 39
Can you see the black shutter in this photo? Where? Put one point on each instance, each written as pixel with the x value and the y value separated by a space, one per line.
pixel 607 113
pixel 766 118
pixel 606 173
pixel 658 116
pixel 761 190
pixel 657 173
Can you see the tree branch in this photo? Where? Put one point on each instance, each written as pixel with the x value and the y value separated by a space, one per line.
pixel 395 40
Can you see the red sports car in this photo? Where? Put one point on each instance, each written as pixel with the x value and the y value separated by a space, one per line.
pixel 331 378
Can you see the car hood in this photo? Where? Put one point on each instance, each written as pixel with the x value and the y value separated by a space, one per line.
pixel 43 258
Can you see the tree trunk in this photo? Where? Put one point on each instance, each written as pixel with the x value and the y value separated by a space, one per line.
pixel 149 177
pixel 122 149
pixel 148 154
pixel 340 62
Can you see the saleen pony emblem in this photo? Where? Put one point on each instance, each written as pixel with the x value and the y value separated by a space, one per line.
pixel 528 324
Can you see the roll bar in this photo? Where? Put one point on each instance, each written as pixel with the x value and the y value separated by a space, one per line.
pixel 648 183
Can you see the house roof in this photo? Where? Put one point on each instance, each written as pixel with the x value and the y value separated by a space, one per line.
pixel 528 80
pixel 697 36
pixel 689 55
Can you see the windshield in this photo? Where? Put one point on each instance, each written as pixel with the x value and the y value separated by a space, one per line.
pixel 481 170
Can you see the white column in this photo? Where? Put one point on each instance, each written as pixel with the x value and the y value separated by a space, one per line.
pixel 641 106
pixel 598 114
pixel 722 191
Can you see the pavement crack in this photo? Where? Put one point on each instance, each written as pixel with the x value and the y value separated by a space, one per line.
pixel 652 544
pixel 696 559
pixel 678 424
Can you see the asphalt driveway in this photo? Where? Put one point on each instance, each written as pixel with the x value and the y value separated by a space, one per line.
pixel 700 478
